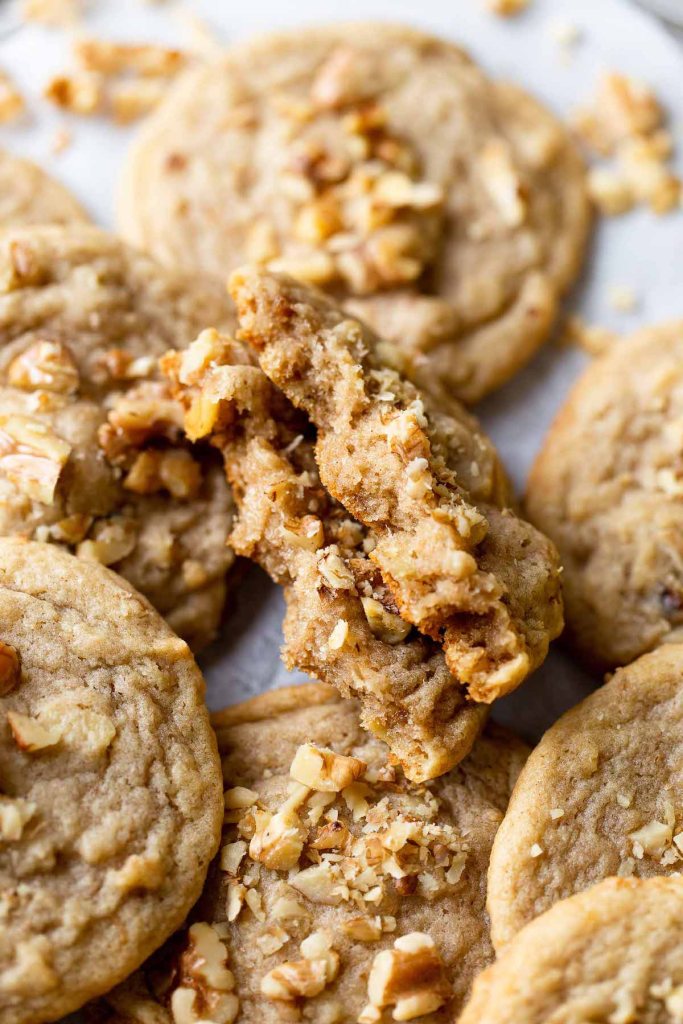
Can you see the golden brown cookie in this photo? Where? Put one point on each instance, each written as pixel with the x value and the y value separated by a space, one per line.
pixel 607 488
pixel 110 805
pixel 342 625
pixel 612 953
pixel 380 163
pixel 91 448
pixel 342 892
pixel 600 795
pixel 460 565
pixel 30 196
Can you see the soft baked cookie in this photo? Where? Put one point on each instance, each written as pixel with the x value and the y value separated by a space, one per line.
pixel 610 954
pixel 342 625
pixel 30 196
pixel 342 892
pixel 111 802
pixel 460 565
pixel 381 164
pixel 600 795
pixel 607 488
pixel 91 448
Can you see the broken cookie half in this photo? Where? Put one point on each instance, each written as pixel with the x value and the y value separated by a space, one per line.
pixel 460 566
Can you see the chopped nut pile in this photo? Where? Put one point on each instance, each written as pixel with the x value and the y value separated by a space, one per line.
pixel 626 122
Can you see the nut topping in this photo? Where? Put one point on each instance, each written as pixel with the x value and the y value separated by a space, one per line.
pixel 45 365
pixel 321 769
pixel 32 457
pixel 10 668
pixel 410 977
pixel 29 734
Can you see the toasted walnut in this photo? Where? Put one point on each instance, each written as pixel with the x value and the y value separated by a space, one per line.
pixel 307 533
pixel 14 814
pixel 502 182
pixel 29 734
pixel 195 1005
pixel 506 8
pixel 139 872
pixel 319 884
pixel 278 840
pixel 46 365
pixel 133 100
pixel 272 940
pixel 79 94
pixel 332 836
pixel 12 105
pixel 303 979
pixel 410 977
pixel 146 411
pixel 610 191
pixel 321 769
pixel 334 570
pixel 10 668
pixel 232 855
pixel 239 797
pixel 112 540
pixel 173 470
pixel 261 242
pixel 652 839
pixel 363 929
pixel 55 13
pixel 90 733
pixel 32 972
pixel 385 625
pixel 339 635
pixel 289 911
pixel 114 58
pixel 32 456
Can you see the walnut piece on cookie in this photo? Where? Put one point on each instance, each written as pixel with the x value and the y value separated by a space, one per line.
pixel 341 623
pixel 464 570
pixel 111 802
pixel 606 489
pixel 378 915
pixel 92 452
pixel 599 796
pixel 447 210
pixel 611 953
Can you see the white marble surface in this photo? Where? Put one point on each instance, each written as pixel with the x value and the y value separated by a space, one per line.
pixel 639 251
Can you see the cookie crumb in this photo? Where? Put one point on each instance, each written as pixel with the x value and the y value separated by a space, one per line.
pixel 622 298
pixel 591 338
pixel 536 850
pixel 507 8
pixel 556 813
pixel 12 103
pixel 51 13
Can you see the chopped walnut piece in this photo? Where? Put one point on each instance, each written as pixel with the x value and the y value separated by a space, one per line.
pixel 651 839
pixel 113 58
pixel 278 840
pixel 32 456
pixel 307 533
pixel 323 770
pixel 29 734
pixel 500 180
pixel 173 470
pixel 363 929
pixel 10 668
pixel 334 570
pixel 205 992
pixel 507 8
pixel 79 94
pixel 592 339
pixel 53 13
pixel 410 977
pixel 45 365
pixel 133 100
pixel 12 105
pixel 14 814
pixel 239 797
pixel 112 540
pixel 386 626
pixel 303 979
pixel 338 636
pixel 610 191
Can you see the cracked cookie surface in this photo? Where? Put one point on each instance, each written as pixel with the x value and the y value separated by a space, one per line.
pixel 607 488
pixel 599 796
pixel 462 567
pixel 91 452
pixel 30 196
pixel 341 889
pixel 610 953
pixel 380 163
pixel 111 808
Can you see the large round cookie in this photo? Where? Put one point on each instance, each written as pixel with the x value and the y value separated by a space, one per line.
pixel 30 196
pixel 610 955
pixel 353 885
pixel 382 164
pixel 607 489
pixel 600 795
pixel 111 797
pixel 91 448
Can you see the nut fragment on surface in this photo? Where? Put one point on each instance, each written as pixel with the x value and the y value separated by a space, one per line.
pixel 29 734
pixel 32 456
pixel 78 93
pixel 385 625
pixel 306 978
pixel 410 977
pixel 53 13
pixel 10 668
pixel 12 105
pixel 506 8
pixel 323 770
pixel 278 839
pixel 15 813
pixel 46 365
pixel 206 984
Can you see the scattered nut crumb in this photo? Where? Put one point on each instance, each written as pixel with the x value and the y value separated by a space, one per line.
pixel 506 8
pixel 536 850
pixel 12 105
pixel 622 298
pixel 592 339
pixel 52 13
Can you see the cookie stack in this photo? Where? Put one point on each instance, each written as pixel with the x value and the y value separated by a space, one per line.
pixel 360 848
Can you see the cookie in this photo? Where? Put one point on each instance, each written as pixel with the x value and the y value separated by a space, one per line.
pixel 461 568
pixel 612 953
pixel 380 163
pixel 342 625
pixel 340 888
pixel 606 488
pixel 599 796
pixel 30 196
pixel 91 452
pixel 111 804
